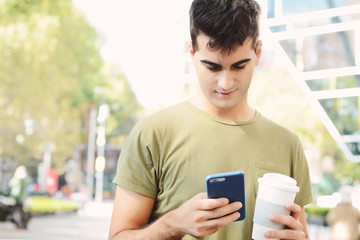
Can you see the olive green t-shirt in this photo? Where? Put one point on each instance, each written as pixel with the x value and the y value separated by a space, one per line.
pixel 168 155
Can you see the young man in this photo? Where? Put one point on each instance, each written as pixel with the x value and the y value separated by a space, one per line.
pixel 161 173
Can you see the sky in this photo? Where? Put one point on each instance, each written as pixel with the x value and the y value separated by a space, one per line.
pixel 147 42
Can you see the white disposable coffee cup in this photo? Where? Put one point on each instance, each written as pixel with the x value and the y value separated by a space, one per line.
pixel 275 190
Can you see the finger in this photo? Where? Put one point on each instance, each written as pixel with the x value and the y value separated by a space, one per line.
pixel 201 195
pixel 287 220
pixel 225 210
pixel 211 226
pixel 207 203
pixel 210 204
pixel 295 210
pixel 285 234
pixel 221 222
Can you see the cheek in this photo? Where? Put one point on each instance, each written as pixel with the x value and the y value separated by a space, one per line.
pixel 204 82
pixel 246 74
pixel 207 84
pixel 205 77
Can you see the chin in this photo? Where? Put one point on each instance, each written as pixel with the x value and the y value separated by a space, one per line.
pixel 223 105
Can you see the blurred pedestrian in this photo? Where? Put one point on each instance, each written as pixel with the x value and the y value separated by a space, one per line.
pixel 19 191
pixel 344 219
pixel 18 185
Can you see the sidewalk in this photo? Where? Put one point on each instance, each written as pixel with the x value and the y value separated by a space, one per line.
pixel 92 222
pixel 317 232
pixel 96 209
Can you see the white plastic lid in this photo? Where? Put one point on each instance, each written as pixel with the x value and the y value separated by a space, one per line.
pixel 280 181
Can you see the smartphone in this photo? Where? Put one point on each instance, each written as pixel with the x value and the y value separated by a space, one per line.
pixel 230 185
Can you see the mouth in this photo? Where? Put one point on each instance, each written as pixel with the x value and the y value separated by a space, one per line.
pixel 225 93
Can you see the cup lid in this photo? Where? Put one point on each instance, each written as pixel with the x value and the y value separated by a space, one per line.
pixel 280 181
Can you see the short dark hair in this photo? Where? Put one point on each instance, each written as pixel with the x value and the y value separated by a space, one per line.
pixel 228 23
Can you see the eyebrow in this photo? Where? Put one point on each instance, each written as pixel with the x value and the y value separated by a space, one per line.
pixel 218 65
pixel 241 62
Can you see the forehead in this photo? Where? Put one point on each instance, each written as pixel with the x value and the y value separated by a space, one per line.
pixel 203 47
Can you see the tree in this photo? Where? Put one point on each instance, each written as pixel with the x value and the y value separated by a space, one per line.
pixel 49 71
pixel 124 108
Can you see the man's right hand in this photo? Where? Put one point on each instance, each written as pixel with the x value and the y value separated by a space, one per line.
pixel 201 216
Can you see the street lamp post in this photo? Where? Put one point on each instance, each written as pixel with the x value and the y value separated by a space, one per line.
pixel 100 160
pixel 90 154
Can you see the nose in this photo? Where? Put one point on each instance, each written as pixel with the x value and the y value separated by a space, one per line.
pixel 225 81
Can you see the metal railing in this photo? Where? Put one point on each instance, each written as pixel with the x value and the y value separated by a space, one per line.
pixel 296 28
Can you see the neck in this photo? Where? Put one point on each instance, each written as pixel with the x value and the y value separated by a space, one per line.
pixel 241 112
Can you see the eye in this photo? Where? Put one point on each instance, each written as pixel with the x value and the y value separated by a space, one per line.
pixel 214 68
pixel 237 67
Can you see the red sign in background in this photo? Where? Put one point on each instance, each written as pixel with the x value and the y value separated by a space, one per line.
pixel 51 181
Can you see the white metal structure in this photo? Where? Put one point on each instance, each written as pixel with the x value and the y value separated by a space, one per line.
pixel 288 29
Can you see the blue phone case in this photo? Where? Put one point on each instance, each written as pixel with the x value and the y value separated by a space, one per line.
pixel 230 185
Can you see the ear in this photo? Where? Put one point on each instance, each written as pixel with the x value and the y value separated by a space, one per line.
pixel 191 49
pixel 258 52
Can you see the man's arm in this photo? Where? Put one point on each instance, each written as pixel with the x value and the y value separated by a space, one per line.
pixel 198 216
pixel 131 211
pixel 296 224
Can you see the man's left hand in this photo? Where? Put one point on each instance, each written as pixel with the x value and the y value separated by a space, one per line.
pixel 295 224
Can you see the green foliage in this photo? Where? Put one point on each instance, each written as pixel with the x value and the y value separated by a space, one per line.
pixel 314 210
pixel 346 172
pixel 124 110
pixel 49 71
pixel 344 113
pixel 52 65
pixel 46 205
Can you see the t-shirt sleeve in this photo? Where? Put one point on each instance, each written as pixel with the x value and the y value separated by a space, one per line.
pixel 136 169
pixel 302 175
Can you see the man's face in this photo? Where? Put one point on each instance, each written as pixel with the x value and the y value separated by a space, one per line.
pixel 224 78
